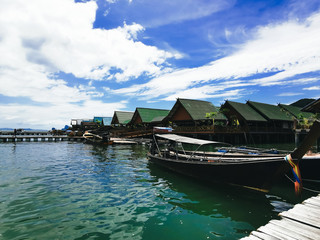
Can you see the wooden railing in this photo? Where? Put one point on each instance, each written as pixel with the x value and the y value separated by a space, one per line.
pixel 227 129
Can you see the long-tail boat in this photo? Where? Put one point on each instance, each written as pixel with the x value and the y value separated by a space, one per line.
pixel 255 171
pixel 92 138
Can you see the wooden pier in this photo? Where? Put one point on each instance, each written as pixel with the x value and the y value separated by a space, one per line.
pixel 38 138
pixel 301 222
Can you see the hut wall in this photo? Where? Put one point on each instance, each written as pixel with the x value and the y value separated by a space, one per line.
pixel 181 115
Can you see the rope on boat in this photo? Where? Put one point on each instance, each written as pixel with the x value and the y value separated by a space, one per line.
pixel 308 189
pixel 296 174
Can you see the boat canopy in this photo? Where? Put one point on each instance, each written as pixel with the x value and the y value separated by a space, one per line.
pixel 182 139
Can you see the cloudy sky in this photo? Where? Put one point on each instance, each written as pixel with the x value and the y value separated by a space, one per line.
pixel 63 59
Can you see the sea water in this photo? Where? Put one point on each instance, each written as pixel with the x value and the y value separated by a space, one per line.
pixel 68 190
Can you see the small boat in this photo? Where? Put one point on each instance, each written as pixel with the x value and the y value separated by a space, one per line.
pixel 255 171
pixel 97 139
pixel 123 141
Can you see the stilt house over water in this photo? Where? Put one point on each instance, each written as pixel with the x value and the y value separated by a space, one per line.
pixel 278 120
pixel 148 117
pixel 302 120
pixel 121 118
pixel 245 116
pixel 191 116
pixel 295 111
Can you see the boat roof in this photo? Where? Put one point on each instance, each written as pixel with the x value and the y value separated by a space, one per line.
pixel 183 139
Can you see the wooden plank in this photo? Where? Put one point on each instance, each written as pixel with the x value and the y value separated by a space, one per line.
pixel 287 231
pixel 301 218
pixel 316 199
pixel 251 237
pixel 302 222
pixel 312 201
pixel 310 211
pixel 270 231
pixel 303 229
pixel 300 210
pixel 311 205
pixel 262 235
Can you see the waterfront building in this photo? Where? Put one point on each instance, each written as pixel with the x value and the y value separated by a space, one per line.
pixel 194 116
pixel 248 119
pixel 148 117
pixel 295 111
pixel 76 122
pixel 142 122
pixel 102 121
pixel 121 118
pixel 278 120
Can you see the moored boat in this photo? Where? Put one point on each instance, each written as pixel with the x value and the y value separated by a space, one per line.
pixel 256 171
pixel 97 139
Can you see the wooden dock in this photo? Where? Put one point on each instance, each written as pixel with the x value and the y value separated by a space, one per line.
pixel 301 222
pixel 38 138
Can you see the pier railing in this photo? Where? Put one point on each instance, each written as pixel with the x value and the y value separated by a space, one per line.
pixel 226 129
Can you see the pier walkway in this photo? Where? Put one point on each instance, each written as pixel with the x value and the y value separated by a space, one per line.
pixel 36 138
pixel 301 222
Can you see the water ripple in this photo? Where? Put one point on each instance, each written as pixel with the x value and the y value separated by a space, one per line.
pixel 77 191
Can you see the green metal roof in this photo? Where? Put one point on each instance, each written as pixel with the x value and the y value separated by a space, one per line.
pixel 295 111
pixel 198 109
pixel 122 116
pixel 247 112
pixel 149 114
pixel 158 119
pixel 271 112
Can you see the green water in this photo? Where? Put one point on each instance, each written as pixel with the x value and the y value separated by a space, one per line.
pixel 62 190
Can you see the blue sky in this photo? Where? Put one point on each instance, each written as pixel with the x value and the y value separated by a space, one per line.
pixel 63 59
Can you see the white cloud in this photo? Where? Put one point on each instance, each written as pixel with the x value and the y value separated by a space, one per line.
pixel 206 92
pixel 57 35
pixel 58 115
pixel 312 88
pixel 283 50
pixel 288 94
pixel 41 38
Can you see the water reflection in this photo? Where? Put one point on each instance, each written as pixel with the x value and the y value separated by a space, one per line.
pixel 216 200
pixel 77 191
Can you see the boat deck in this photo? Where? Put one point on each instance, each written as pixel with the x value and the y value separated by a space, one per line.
pixel 301 222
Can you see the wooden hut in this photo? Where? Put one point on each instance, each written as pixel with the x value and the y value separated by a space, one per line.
pixel 243 115
pixel 278 120
pixel 121 118
pixel 302 119
pixel 147 117
pixel 295 111
pixel 191 116
pixel 143 121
